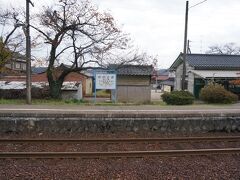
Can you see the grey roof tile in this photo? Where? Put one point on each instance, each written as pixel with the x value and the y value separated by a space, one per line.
pixel 212 61
pixel 132 69
pixel 38 70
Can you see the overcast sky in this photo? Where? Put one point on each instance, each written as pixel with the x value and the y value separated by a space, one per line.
pixel 157 26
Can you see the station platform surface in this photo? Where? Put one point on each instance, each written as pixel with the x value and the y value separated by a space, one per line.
pixel 138 109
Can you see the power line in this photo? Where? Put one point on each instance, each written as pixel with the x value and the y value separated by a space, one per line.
pixel 197 4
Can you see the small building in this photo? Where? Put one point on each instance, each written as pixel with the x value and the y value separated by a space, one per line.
pixel 133 82
pixel 70 85
pixel 202 68
pixel 167 85
pixel 17 63
pixel 16 80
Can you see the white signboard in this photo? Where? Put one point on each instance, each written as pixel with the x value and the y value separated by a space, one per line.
pixel 105 81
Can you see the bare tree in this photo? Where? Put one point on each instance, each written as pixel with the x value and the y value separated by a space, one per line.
pixel 78 35
pixel 229 48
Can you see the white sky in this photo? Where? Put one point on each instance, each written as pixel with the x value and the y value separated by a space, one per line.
pixel 157 26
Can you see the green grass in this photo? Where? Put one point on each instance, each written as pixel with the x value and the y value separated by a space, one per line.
pixel 158 103
pixel 12 101
pixel 197 104
pixel 34 101
pixel 66 102
pixel 103 93
pixel 75 101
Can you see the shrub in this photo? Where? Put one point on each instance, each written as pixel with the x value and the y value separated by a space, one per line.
pixel 36 93
pixel 12 93
pixel 178 98
pixel 40 93
pixel 216 93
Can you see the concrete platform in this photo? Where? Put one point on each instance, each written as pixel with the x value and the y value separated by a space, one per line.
pixel 63 119
pixel 141 109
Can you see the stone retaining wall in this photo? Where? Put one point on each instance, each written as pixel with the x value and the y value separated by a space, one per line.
pixel 63 123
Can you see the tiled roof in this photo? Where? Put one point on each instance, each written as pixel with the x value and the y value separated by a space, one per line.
pixel 202 61
pixel 19 56
pixel 142 70
pixel 210 61
pixel 162 72
pixel 168 82
pixel 38 70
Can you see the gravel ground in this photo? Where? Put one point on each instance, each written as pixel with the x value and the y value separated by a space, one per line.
pixel 191 167
pixel 188 167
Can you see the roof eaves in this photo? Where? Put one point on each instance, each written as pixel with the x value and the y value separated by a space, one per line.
pixel 176 63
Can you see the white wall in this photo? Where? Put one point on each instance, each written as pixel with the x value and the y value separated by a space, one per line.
pixel 178 75
pixel 189 78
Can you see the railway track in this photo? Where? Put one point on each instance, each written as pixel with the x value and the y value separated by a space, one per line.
pixel 117 154
pixel 125 140
pixel 120 154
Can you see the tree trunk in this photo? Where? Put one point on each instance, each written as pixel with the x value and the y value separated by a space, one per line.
pixel 55 85
pixel 55 89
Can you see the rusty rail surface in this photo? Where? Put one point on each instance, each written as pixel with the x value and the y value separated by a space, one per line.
pixel 124 140
pixel 118 154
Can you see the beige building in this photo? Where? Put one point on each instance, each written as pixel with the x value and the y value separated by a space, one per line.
pixel 133 83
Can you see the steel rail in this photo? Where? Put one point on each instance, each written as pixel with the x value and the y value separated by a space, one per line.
pixel 117 154
pixel 123 140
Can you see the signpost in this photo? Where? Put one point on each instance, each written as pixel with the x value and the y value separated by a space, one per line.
pixel 105 80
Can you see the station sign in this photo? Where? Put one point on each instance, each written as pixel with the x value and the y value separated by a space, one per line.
pixel 105 81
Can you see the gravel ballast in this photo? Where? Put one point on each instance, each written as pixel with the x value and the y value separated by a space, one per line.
pixel 184 167
pixel 191 167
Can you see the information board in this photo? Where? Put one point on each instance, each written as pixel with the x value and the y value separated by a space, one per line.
pixel 105 81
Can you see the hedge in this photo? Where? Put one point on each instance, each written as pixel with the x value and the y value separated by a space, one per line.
pixel 36 93
pixel 216 93
pixel 178 98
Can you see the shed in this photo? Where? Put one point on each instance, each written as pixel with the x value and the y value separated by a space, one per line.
pixel 133 82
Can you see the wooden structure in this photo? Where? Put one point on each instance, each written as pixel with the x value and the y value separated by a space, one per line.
pixel 133 83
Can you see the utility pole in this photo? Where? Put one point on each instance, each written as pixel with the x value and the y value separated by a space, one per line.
pixel 28 54
pixel 185 48
pixel 183 87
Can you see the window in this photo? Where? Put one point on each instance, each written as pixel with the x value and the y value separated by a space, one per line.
pixel 23 66
pixel 17 65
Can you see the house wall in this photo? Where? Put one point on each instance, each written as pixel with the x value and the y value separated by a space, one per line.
pixel 133 88
pixel 13 78
pixel 166 88
pixel 89 86
pixel 134 93
pixel 178 75
pixel 189 78
pixel 133 80
pixel 69 94
pixel 17 65
pixel 72 77
pixel 191 82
